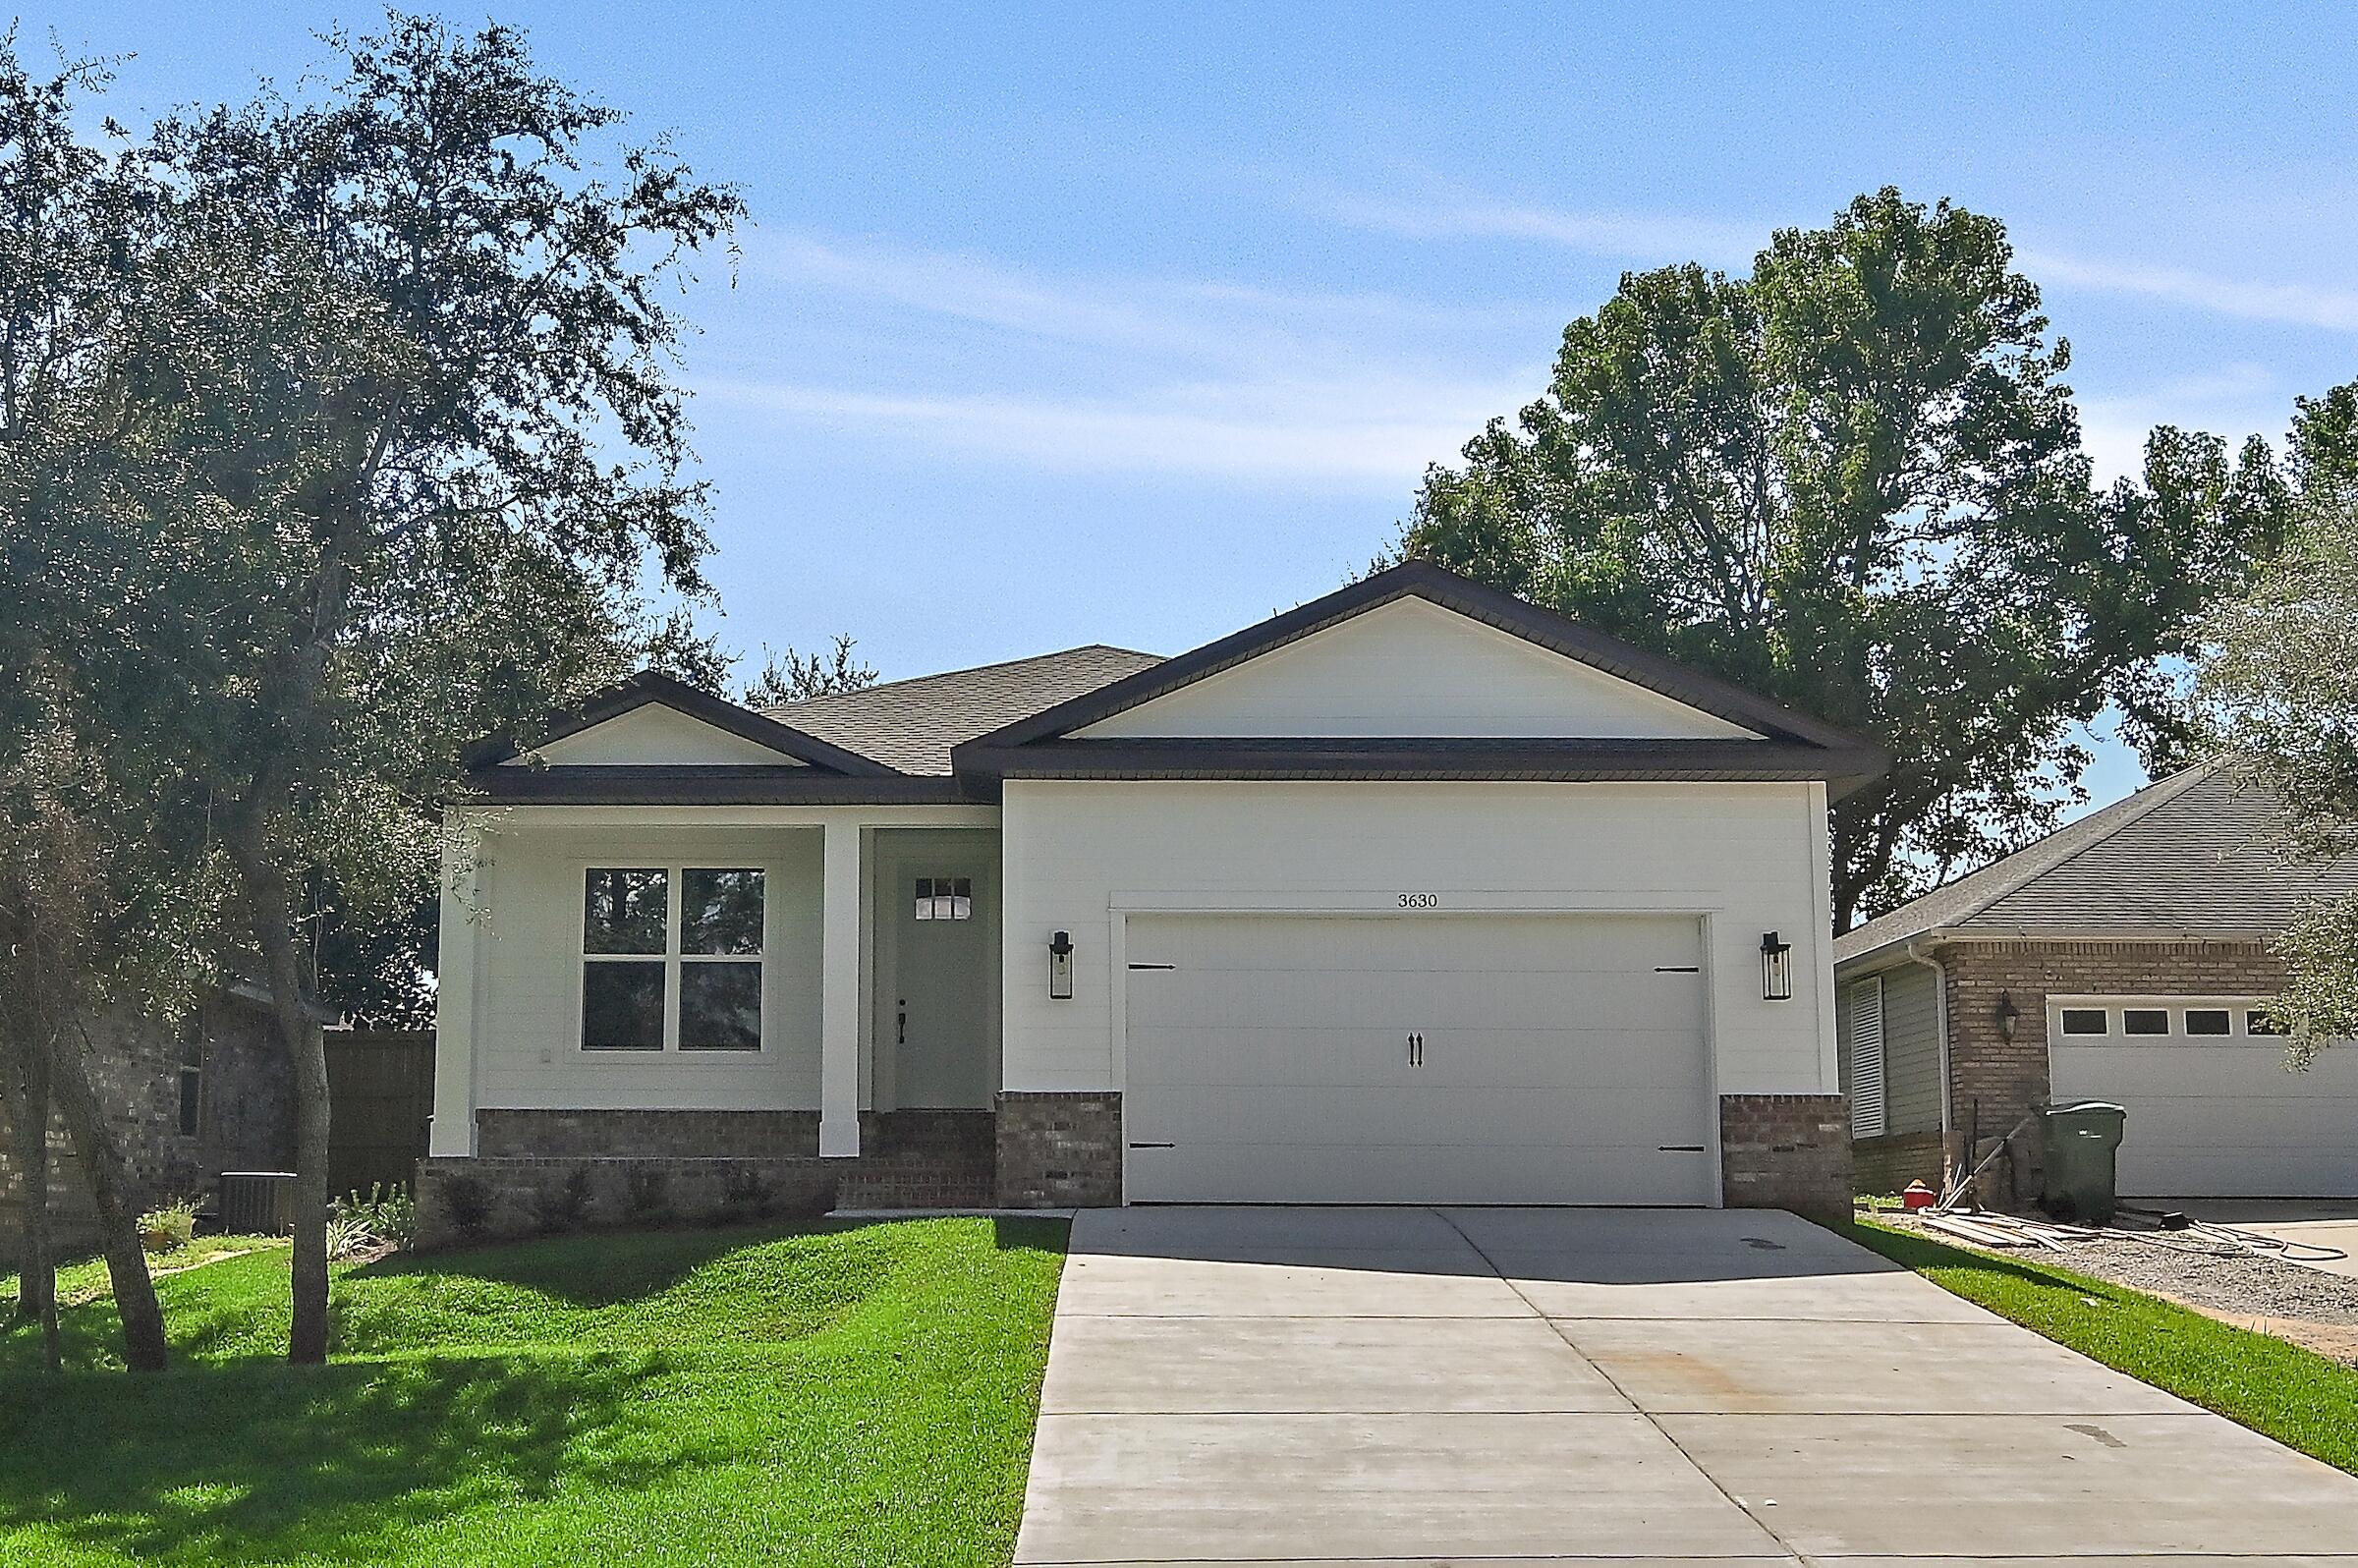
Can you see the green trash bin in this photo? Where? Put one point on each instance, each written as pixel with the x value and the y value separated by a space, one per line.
pixel 2079 1140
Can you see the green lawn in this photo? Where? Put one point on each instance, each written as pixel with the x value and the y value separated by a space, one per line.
pixel 2298 1397
pixel 846 1395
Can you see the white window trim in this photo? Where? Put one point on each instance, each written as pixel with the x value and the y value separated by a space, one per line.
pixel 1869 1110
pixel 2238 1008
pixel 675 875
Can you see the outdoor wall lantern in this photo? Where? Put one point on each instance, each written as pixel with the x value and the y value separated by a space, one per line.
pixel 1776 969
pixel 1060 966
pixel 2007 1013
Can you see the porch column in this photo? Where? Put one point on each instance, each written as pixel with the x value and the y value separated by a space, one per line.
pixel 453 1123
pixel 839 993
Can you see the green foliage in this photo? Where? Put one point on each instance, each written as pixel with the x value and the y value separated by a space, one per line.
pixel 792 677
pixel 389 1214
pixel 1853 481
pixel 848 1394
pixel 2293 1396
pixel 169 1228
pixel 2279 687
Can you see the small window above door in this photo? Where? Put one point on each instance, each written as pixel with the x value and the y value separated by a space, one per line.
pixel 945 898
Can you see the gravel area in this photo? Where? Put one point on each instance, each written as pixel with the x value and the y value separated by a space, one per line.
pixel 2240 1284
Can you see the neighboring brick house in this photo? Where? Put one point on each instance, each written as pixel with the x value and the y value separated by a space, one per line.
pixel 187 1100
pixel 2125 957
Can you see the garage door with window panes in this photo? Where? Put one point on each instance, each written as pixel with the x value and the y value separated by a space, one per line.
pixel 2213 1108
pixel 671 958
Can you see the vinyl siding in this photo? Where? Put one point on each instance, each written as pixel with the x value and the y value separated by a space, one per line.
pixel 1079 855
pixel 1911 1046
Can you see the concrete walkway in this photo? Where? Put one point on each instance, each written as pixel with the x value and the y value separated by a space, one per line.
pixel 1510 1388
pixel 2315 1227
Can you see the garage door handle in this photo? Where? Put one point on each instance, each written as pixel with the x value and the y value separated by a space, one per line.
pixel 1154 1146
pixel 1678 1148
pixel 1416 1051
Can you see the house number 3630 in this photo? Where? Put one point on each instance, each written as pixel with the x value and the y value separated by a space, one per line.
pixel 1420 901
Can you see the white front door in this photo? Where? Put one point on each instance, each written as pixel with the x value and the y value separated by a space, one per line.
pixel 1410 1059
pixel 2213 1111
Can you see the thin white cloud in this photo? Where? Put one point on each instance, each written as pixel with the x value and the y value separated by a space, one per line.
pixel 1301 432
pixel 1630 234
pixel 2232 401
pixel 1148 374
pixel 2296 303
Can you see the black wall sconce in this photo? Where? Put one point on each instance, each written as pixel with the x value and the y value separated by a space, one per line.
pixel 1060 966
pixel 1776 969
pixel 2007 1015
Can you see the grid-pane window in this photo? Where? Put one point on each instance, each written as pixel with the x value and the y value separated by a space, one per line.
pixel 671 958
pixel 945 898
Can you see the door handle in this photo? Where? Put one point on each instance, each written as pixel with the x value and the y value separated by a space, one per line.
pixel 1415 1050
pixel 901 1024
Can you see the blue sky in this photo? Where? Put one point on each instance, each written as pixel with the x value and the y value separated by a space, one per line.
pixel 1134 325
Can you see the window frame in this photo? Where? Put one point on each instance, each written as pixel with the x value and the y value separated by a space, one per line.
pixel 188 1107
pixel 672 960
pixel 2240 1006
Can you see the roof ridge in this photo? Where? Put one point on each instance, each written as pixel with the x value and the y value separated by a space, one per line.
pixel 970 669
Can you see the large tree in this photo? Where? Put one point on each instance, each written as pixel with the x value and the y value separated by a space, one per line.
pixel 1853 481
pixel 395 439
pixel 2279 686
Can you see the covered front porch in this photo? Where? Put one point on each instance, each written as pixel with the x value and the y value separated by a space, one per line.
pixel 810 993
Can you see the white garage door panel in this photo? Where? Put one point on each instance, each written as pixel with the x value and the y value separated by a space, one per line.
pixel 1533 1058
pixel 2213 1118
pixel 1561 1055
pixel 1642 1118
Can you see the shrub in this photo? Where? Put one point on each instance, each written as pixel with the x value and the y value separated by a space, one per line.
pixel 469 1200
pixel 747 1190
pixel 391 1213
pixel 563 1209
pixel 649 1193
pixel 169 1228
pixel 348 1234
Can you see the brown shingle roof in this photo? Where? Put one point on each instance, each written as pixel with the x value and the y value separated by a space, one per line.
pixel 2196 852
pixel 911 725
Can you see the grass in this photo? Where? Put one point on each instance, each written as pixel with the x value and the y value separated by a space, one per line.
pixel 845 1395
pixel 2296 1396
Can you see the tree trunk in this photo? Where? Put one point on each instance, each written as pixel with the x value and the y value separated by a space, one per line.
pixel 24 1092
pixel 272 912
pixel 136 1304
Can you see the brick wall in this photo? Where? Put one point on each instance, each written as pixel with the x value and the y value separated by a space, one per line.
pixel 1786 1151
pixel 1060 1150
pixel 244 1116
pixel 466 1200
pixel 1887 1165
pixel 2004 1079
pixel 657 1134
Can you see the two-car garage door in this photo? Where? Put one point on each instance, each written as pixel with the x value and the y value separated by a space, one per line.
pixel 1469 1058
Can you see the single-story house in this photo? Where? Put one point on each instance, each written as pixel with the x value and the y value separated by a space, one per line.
pixel 2124 958
pixel 1414 893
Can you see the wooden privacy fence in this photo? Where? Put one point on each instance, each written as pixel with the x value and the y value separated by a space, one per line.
pixel 381 1086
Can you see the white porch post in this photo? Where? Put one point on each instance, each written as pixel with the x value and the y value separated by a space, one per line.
pixel 453 1130
pixel 839 993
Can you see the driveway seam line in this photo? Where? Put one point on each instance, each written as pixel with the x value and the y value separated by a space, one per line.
pixel 1733 1501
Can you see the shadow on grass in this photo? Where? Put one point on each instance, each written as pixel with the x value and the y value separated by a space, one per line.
pixel 1920 1252
pixel 258 1461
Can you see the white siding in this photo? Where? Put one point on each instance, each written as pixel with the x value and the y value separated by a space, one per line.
pixel 1746 857
pixel 1412 668
pixel 655 736
pixel 527 999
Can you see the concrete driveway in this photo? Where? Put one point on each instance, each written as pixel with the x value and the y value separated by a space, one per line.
pixel 1518 1387
pixel 2316 1228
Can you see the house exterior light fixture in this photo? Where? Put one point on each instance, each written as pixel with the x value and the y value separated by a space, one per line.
pixel 1060 966
pixel 2007 1015
pixel 1776 969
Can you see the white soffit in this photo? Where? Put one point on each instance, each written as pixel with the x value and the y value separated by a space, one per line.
pixel 653 735
pixel 1413 668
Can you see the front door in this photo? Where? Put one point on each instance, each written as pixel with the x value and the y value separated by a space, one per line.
pixel 936 992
